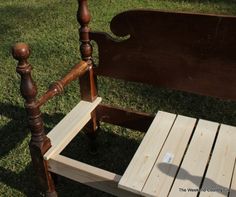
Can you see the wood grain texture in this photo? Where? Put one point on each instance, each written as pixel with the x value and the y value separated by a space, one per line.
pixel 77 71
pixel 220 170
pixel 195 161
pixel 88 175
pixel 88 86
pixel 69 126
pixel 189 52
pixel 232 189
pixel 162 175
pixel 141 164
pixel 39 142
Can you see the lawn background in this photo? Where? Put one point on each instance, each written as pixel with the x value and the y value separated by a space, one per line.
pixel 51 30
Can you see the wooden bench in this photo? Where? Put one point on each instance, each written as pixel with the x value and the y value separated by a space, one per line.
pixel 179 155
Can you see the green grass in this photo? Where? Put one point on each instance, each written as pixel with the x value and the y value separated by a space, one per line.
pixel 51 29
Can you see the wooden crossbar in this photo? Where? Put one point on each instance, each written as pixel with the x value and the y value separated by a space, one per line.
pixel 88 175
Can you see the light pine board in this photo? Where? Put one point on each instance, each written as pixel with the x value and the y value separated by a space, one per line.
pixel 195 160
pixel 160 180
pixel 144 158
pixel 69 126
pixel 219 172
pixel 233 184
pixel 88 175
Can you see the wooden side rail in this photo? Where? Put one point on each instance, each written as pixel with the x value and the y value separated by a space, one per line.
pixel 58 87
pixel 70 126
pixel 139 121
pixel 88 175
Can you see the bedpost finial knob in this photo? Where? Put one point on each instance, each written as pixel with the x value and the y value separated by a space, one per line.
pixel 21 51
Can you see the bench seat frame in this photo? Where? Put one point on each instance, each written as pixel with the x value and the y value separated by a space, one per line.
pixel 201 62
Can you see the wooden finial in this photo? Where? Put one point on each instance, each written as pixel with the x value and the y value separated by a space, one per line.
pixel 88 82
pixel 21 52
pixel 88 87
pixel 83 17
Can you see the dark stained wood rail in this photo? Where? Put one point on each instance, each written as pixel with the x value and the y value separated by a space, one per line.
pixel 77 71
pixel 139 121
pixel 183 51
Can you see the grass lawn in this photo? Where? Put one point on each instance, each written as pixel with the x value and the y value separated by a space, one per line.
pixel 51 29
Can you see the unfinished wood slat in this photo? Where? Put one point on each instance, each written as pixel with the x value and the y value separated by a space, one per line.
pixel 232 192
pixel 163 172
pixel 219 173
pixel 140 166
pixel 87 174
pixel 192 169
pixel 69 126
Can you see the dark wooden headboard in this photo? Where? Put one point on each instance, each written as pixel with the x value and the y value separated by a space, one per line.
pixel 189 52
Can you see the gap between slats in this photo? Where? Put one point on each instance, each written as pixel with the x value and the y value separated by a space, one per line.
pixel 182 131
pixel 205 131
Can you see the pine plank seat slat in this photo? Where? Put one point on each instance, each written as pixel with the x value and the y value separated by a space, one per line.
pixel 222 163
pixel 144 158
pixel 233 184
pixel 69 126
pixel 182 156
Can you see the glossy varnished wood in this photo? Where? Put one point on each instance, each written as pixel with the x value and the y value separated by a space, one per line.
pixel 183 51
pixel 88 87
pixel 77 71
pixel 88 82
pixel 39 142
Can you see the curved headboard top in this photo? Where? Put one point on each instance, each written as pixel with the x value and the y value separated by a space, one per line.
pixel 184 51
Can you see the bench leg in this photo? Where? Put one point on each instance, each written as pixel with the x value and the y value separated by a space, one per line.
pixel 45 178
pixel 88 82
pixel 91 130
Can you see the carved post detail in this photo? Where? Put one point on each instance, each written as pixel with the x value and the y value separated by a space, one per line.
pixel 39 143
pixel 88 82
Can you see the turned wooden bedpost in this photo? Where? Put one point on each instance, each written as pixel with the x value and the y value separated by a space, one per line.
pixel 39 143
pixel 88 84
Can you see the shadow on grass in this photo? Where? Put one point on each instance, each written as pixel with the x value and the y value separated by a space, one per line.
pixel 114 154
pixel 15 131
pixel 22 181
